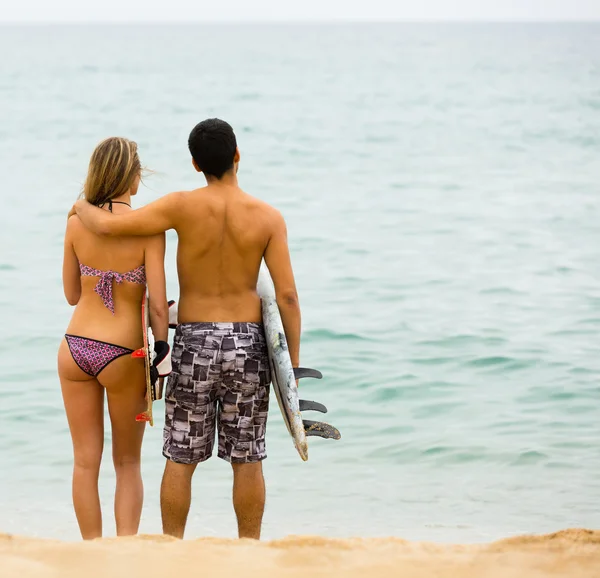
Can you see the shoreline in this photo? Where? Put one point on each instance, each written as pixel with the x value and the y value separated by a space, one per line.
pixel 572 552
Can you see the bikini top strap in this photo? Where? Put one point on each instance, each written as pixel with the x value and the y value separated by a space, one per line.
pixel 111 203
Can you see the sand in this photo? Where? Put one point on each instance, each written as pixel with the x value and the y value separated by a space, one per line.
pixel 572 553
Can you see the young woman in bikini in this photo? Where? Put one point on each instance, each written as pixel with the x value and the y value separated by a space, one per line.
pixel 105 278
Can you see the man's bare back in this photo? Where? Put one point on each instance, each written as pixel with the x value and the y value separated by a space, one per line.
pixel 223 235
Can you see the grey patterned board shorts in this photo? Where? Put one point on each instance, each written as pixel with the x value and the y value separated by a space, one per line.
pixel 220 380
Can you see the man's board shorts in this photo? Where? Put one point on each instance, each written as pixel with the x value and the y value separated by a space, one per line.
pixel 220 382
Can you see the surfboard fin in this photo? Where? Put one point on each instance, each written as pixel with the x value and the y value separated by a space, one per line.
pixel 300 372
pixel 306 405
pixel 321 429
pixel 139 353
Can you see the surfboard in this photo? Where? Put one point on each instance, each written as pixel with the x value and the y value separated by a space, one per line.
pixel 145 353
pixel 284 376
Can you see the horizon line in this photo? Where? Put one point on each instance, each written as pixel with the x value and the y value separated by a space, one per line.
pixel 303 21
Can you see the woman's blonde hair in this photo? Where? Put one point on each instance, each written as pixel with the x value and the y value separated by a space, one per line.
pixel 113 168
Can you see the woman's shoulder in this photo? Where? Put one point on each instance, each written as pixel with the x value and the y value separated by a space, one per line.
pixel 76 230
pixel 74 225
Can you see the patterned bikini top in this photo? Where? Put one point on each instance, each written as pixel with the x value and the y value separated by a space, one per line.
pixel 104 287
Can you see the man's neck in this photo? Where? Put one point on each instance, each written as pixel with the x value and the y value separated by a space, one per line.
pixel 228 180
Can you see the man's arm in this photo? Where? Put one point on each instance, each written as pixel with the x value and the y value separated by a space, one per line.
pixel 277 258
pixel 157 217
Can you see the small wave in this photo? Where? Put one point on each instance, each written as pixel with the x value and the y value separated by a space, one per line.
pixel 583 371
pixel 358 251
pixel 437 450
pixel 506 424
pixel 433 360
pixel 569 445
pixel 563 395
pixel 499 360
pixel 594 104
pixel 461 341
pixel 435 283
pixel 501 291
pixel 7 267
pixel 572 332
pixel 579 409
pixel 558 466
pixel 436 409
pixel 586 141
pixel 529 457
pixel 397 430
pixel 330 335
pixel 451 455
pixel 451 187
pixel 386 394
pixel 591 321
pixel 440 455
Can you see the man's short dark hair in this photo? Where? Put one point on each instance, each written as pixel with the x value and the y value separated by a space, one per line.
pixel 212 144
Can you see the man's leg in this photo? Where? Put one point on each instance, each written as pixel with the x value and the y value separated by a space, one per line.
pixel 248 498
pixel 190 419
pixel 242 423
pixel 176 497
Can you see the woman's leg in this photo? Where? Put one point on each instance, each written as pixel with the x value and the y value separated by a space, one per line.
pixel 125 383
pixel 84 404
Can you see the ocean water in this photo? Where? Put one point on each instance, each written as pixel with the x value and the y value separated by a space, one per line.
pixel 440 184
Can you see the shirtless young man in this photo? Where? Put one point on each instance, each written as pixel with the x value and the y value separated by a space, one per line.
pixel 220 376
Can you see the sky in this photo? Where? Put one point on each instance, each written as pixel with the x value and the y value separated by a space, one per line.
pixel 294 10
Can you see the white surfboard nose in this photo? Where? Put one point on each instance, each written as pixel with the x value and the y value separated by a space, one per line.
pixel 172 314
pixel 264 286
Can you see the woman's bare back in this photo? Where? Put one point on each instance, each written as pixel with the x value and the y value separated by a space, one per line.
pixel 97 254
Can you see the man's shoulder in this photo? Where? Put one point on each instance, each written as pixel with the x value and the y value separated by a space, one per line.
pixel 178 203
pixel 178 196
pixel 269 211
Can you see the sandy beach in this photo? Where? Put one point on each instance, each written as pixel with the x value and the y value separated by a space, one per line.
pixel 573 553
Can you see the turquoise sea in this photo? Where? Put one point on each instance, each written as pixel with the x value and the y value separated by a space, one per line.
pixel 440 184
